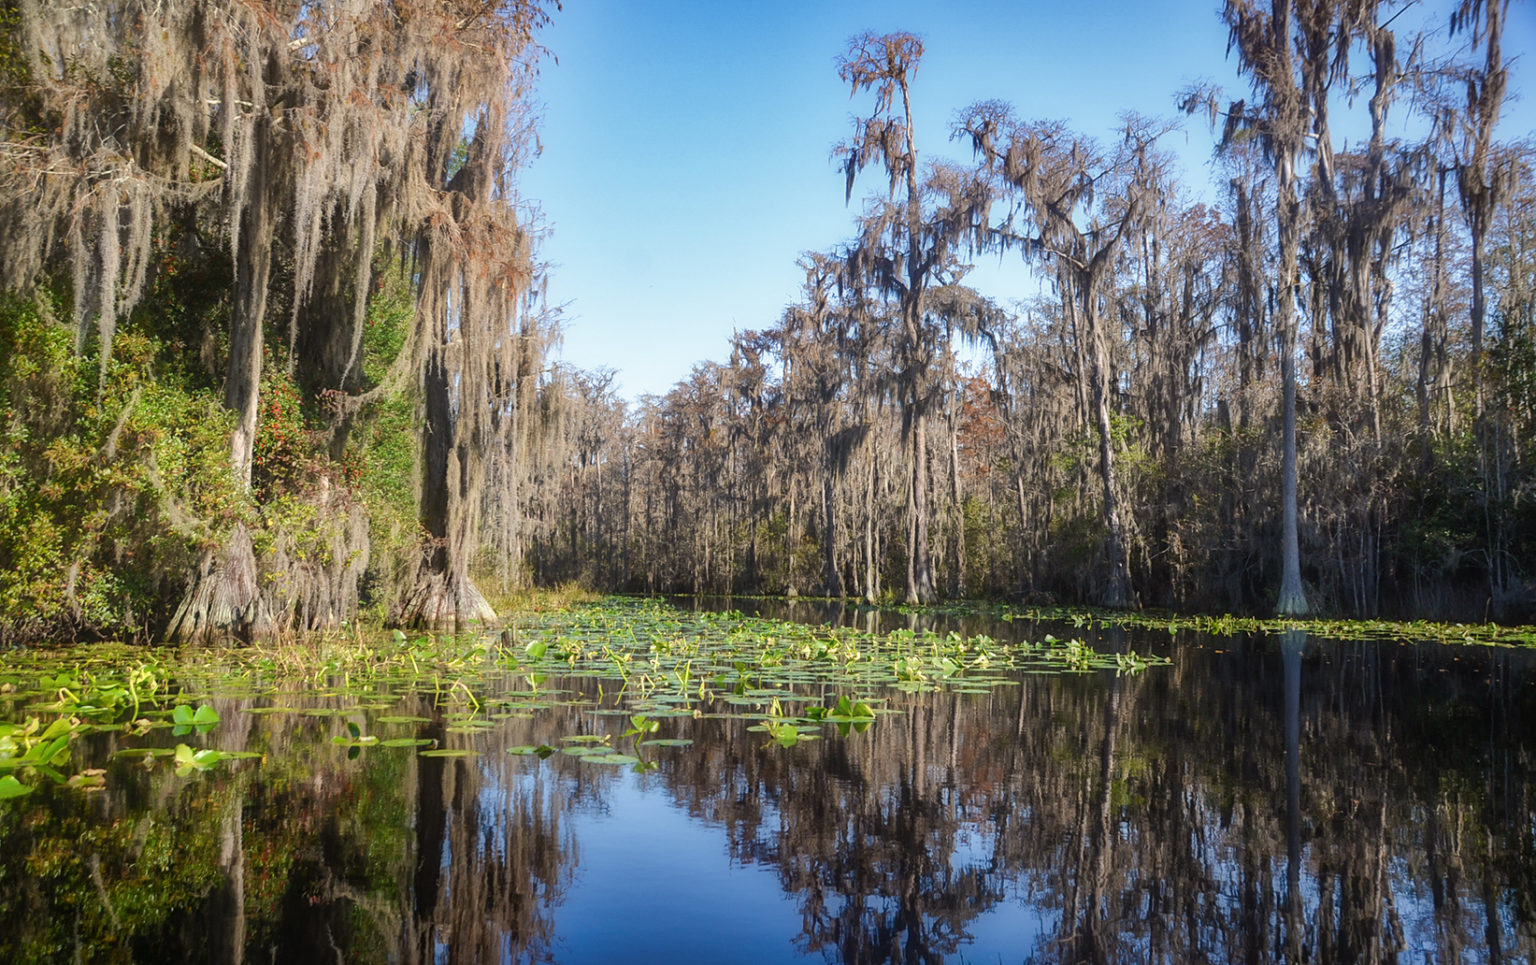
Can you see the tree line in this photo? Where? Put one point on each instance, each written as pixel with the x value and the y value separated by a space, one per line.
pixel 276 354
pixel 1309 394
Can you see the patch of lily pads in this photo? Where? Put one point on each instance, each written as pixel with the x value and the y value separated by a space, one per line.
pixel 642 665
pixel 1389 631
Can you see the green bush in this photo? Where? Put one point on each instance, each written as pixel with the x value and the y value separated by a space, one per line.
pixel 110 478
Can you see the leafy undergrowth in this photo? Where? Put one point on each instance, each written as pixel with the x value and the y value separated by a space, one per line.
pixel 637 661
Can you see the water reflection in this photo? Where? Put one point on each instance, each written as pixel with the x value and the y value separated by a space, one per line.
pixel 1262 800
pixel 1292 644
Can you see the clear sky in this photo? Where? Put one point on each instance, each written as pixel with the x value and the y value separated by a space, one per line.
pixel 687 143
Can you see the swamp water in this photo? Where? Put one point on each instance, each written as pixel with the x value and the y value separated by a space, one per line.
pixel 637 783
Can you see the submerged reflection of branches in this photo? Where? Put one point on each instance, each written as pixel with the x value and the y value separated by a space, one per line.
pixel 447 860
pixel 1207 814
pixel 1260 801
pixel 494 857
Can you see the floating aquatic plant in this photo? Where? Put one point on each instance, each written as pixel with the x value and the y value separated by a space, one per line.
pixel 649 664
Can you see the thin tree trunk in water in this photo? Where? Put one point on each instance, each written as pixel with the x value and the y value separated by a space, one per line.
pixel 1432 345
pixel 752 524
pixel 954 478
pixel 792 540
pixel 831 578
pixel 871 568
pixel 1479 316
pixel 1026 525
pixel 919 558
pixel 1293 599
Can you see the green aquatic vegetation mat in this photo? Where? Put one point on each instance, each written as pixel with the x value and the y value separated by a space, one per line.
pixel 657 649
pixel 1094 618
pixel 1415 631
pixel 641 664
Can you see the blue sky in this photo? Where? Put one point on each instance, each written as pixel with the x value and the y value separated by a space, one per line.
pixel 687 143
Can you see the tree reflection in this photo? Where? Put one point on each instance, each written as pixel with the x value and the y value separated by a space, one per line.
pixel 1259 801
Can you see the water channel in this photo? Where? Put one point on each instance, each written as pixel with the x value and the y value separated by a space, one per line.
pixel 1261 799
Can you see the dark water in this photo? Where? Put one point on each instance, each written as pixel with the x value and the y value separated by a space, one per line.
pixel 1261 800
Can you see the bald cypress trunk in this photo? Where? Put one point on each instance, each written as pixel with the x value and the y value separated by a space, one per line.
pixel 443 596
pixel 224 597
pixel 919 554
pixel 1117 583
pixel 1293 598
pixel 832 578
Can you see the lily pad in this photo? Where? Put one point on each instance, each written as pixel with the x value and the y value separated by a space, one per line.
pixel 610 759
pixel 541 751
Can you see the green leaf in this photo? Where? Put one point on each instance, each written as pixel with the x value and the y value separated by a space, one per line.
pixel 541 751
pixel 368 741
pixel 205 716
pixel 59 728
pixel 610 758
pixel 10 788
pixel 133 753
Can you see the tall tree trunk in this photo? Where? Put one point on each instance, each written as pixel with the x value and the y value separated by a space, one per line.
pixel 919 555
pixel 832 580
pixel 1432 347
pixel 957 585
pixel 223 597
pixel 1476 177
pixel 871 563
pixel 1293 598
pixel 1117 586
pixel 443 596
pixel 920 565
